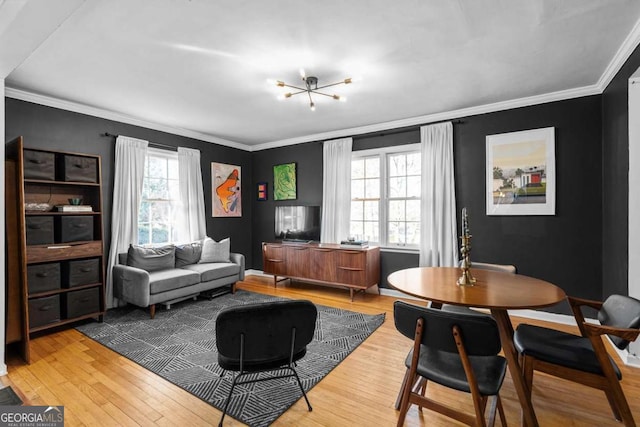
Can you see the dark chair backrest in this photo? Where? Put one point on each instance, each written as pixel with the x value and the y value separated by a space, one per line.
pixel 480 333
pixel 622 312
pixel 267 329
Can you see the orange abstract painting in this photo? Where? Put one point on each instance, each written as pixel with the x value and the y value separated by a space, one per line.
pixel 227 190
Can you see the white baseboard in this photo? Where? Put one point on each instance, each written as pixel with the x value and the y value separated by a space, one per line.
pixel 563 319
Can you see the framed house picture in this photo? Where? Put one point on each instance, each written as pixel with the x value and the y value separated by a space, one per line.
pixel 227 190
pixel 284 182
pixel 521 173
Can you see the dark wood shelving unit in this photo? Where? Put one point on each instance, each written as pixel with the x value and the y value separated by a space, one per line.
pixel 68 273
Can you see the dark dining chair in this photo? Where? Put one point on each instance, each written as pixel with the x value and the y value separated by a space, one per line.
pixel 583 358
pixel 456 350
pixel 264 337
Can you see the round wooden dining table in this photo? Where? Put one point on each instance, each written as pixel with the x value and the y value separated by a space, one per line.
pixel 493 290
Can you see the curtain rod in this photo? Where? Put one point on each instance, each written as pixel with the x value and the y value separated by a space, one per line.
pixel 151 144
pixel 404 129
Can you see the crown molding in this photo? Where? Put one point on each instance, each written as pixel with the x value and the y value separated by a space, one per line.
pixel 626 49
pixel 624 52
pixel 118 117
pixel 438 117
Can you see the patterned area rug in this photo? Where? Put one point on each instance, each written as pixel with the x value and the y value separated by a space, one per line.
pixel 180 346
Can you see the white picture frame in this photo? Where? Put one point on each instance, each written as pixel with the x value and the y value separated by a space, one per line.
pixel 521 173
pixel 226 190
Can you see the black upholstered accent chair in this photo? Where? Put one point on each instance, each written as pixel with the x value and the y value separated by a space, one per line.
pixel 456 350
pixel 264 337
pixel 584 358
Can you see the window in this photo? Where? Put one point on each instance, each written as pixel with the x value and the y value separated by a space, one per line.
pixel 160 197
pixel 385 196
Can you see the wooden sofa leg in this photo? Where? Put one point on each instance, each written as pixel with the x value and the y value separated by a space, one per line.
pixel 233 287
pixel 152 310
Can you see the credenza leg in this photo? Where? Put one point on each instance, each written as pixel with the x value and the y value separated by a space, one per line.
pixel 351 293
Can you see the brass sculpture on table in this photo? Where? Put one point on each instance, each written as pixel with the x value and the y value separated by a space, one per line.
pixel 466 279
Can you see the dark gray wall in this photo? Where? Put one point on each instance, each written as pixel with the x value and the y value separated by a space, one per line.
pixel 565 249
pixel 308 159
pixel 615 180
pixel 54 129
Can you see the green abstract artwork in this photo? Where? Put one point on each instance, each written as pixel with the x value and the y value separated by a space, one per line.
pixel 284 182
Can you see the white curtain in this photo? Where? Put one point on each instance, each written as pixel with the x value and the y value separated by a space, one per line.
pixel 127 191
pixel 336 190
pixel 192 224
pixel 438 240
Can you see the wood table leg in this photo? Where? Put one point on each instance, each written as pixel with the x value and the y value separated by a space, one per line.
pixel 510 353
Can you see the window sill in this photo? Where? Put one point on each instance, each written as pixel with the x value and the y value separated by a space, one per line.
pixel 400 250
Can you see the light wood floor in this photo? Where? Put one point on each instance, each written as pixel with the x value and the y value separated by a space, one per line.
pixel 99 387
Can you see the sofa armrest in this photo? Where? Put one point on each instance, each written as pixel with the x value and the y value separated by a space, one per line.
pixel 238 259
pixel 131 284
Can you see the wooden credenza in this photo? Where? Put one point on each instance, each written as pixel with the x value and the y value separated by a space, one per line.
pixel 356 269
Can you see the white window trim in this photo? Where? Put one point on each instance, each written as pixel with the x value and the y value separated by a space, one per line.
pixel 165 154
pixel 384 189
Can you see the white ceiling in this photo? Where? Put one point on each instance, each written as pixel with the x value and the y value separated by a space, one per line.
pixel 201 67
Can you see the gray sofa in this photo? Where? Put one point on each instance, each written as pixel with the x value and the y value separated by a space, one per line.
pixel 149 276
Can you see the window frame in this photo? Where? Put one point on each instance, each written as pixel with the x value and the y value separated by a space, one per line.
pixel 171 222
pixel 383 214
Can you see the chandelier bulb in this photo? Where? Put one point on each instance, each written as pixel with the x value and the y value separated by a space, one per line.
pixel 279 83
pixel 347 81
pixel 313 106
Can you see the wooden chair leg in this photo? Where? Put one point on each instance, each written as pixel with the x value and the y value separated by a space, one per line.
pixel 527 373
pixel 479 404
pixel 503 419
pixel 491 421
pixel 612 403
pixel 404 406
pixel 423 389
pixel 621 402
pixel 401 391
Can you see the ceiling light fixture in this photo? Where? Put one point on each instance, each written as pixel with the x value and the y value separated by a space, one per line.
pixel 311 86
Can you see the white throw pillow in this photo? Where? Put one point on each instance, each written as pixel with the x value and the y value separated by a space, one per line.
pixel 213 251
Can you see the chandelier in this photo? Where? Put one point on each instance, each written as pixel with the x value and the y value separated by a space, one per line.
pixel 311 87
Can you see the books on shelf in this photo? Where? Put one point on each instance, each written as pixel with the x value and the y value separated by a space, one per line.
pixel 354 243
pixel 74 208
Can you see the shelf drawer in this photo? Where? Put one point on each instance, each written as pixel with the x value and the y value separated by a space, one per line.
pixel 39 165
pixel 37 254
pixel 79 303
pixel 39 230
pixel 43 277
pixel 74 229
pixel 43 311
pixel 81 272
pixel 79 169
